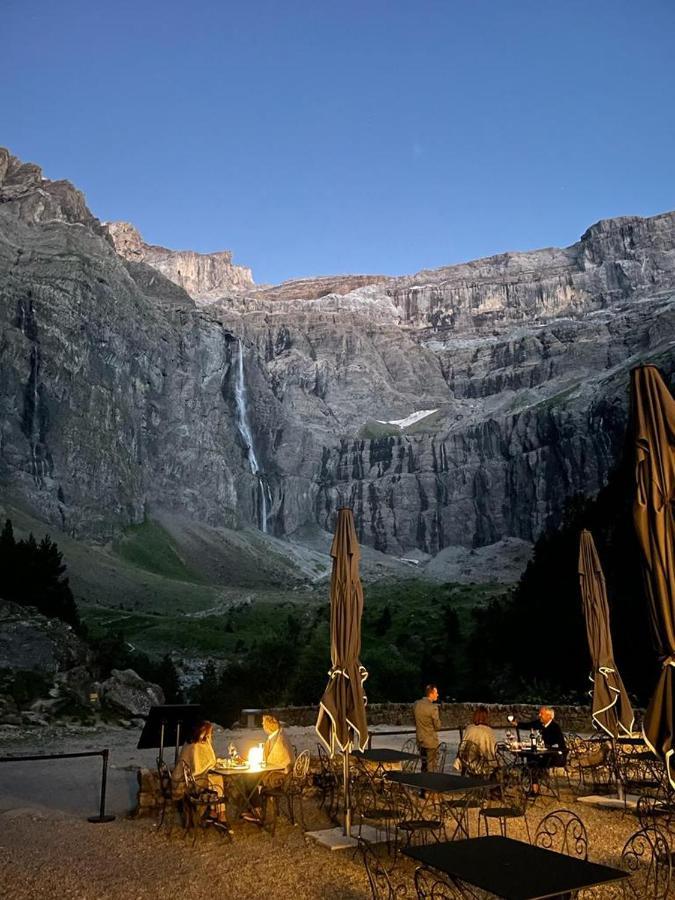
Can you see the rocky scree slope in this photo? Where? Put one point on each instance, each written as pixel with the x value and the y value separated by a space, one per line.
pixel 121 397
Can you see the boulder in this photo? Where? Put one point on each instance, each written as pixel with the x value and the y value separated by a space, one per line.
pixel 128 694
pixel 31 642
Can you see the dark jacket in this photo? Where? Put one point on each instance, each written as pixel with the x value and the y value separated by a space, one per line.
pixel 552 734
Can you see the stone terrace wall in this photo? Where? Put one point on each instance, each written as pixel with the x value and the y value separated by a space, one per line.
pixel 453 715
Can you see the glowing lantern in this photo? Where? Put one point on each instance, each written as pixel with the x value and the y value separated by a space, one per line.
pixel 255 757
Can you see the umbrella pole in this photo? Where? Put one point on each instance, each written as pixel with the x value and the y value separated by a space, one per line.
pixel 345 779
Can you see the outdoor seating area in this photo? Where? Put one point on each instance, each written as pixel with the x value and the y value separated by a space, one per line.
pixel 443 834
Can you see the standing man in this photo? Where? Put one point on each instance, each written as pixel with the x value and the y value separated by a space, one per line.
pixel 427 726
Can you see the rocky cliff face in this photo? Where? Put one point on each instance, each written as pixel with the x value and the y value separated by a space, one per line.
pixel 203 275
pixel 120 396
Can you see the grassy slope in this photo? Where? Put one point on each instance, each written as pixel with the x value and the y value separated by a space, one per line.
pixel 149 587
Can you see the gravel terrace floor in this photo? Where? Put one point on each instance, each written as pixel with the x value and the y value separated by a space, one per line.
pixel 49 851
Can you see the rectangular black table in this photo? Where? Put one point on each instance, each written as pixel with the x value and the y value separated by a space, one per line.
pixel 513 869
pixel 441 783
pixel 381 755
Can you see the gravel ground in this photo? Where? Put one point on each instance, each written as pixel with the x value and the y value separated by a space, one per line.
pixel 53 853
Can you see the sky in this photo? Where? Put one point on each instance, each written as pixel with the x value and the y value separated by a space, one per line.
pixel 314 138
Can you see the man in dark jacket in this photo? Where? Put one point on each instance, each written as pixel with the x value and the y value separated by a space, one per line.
pixel 551 732
pixel 553 739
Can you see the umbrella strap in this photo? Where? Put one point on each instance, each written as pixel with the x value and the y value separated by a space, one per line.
pixel 669 661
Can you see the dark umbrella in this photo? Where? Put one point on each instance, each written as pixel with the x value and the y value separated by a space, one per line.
pixel 341 723
pixel 611 709
pixel 654 414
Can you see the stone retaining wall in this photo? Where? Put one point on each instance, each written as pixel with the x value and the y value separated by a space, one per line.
pixel 453 715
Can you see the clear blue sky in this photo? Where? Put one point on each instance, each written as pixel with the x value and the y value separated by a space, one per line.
pixel 347 135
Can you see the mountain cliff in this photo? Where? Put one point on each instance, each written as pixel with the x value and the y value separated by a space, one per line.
pixel 121 397
pixel 202 275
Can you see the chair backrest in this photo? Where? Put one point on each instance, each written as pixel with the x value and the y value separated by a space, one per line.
pixel 441 755
pixel 512 788
pixel 657 810
pixel 164 774
pixel 410 746
pixel 646 855
pixel 191 788
pixel 381 887
pixel 301 766
pixel 472 760
pixel 564 832
pixel 431 886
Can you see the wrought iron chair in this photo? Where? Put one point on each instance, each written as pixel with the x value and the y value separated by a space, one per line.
pixel 291 789
pixel 474 762
pixel 326 781
pixel 657 810
pixel 420 817
pixel 564 832
pixel 378 804
pixel 199 805
pixel 509 802
pixel 441 755
pixel 429 885
pixel 410 765
pixel 646 855
pixel 379 879
pixel 166 798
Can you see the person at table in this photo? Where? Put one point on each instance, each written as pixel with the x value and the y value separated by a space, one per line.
pixel 551 732
pixel 200 756
pixel 427 726
pixel 480 736
pixel 277 753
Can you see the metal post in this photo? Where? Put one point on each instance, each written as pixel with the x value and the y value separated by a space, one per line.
pixel 161 742
pixel 175 759
pixel 101 817
pixel 345 776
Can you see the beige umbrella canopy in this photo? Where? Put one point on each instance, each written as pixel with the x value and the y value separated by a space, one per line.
pixel 611 709
pixel 654 415
pixel 341 723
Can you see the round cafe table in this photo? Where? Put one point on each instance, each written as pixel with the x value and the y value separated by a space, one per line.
pixel 244 781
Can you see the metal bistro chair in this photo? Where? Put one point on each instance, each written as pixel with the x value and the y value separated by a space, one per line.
pixel 658 810
pixel 410 765
pixel 381 887
pixel 420 818
pixel 291 789
pixel 326 781
pixel 646 855
pixel 166 798
pixel 474 762
pixel 509 803
pixel 564 832
pixel 379 805
pixel 429 885
pixel 199 804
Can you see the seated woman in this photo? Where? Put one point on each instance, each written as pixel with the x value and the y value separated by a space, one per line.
pixel 480 739
pixel 200 756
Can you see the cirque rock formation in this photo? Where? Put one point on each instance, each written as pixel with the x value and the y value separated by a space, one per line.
pixel 202 275
pixel 120 396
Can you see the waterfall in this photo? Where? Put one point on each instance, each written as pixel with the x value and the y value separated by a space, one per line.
pixel 247 437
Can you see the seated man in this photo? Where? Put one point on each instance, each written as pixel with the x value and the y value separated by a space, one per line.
pixel 277 753
pixel 551 732
pixel 553 739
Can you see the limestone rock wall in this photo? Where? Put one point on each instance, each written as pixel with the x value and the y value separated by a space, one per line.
pixel 118 394
pixel 201 275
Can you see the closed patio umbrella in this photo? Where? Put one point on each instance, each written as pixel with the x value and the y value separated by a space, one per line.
pixel 654 416
pixel 341 723
pixel 611 709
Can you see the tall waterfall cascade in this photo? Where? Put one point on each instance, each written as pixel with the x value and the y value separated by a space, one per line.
pixel 247 437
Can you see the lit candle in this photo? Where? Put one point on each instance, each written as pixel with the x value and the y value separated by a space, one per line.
pixel 255 757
